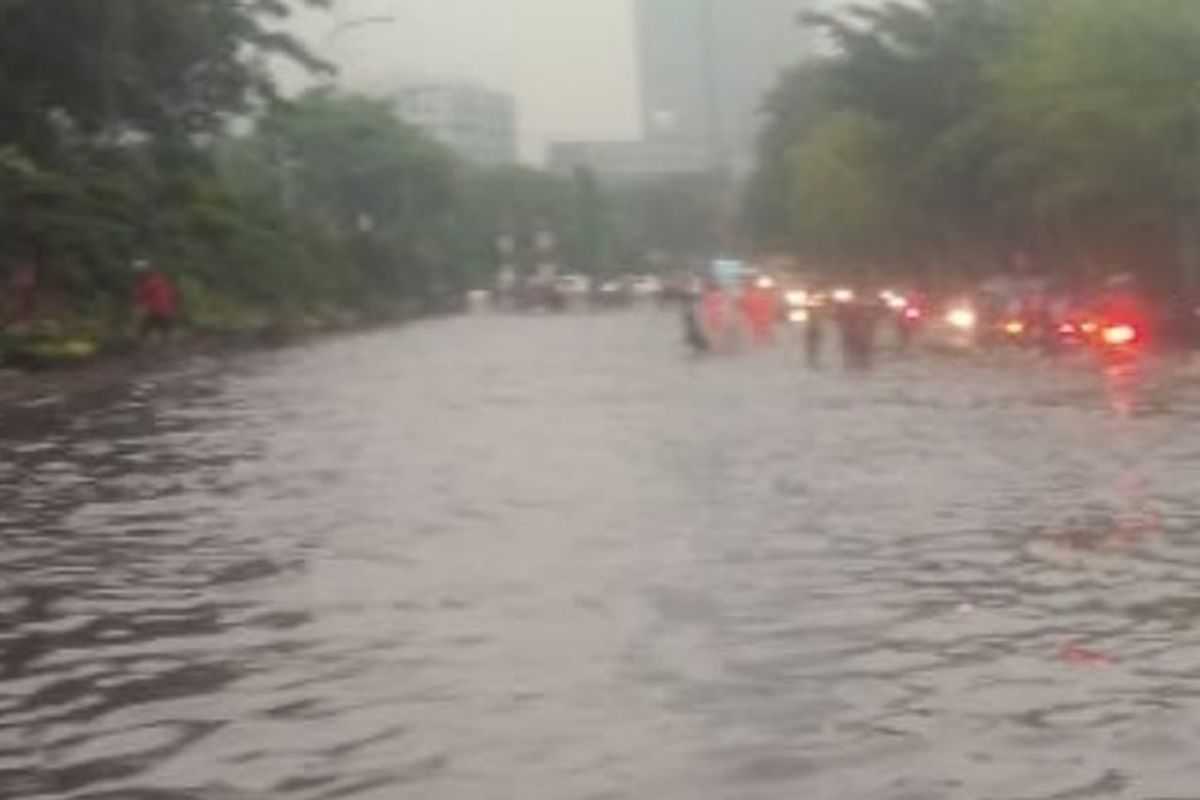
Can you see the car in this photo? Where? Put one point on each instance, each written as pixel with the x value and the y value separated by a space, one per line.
pixel 955 328
pixel 796 305
pixel 613 292
pixel 574 285
pixel 646 285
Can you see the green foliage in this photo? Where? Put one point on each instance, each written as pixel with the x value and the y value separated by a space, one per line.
pixel 81 70
pixel 522 203
pixel 848 161
pixel 674 217
pixel 952 126
pixel 590 232
pixel 1100 102
pixel 374 195
pixel 792 109
pixel 108 112
pixel 116 144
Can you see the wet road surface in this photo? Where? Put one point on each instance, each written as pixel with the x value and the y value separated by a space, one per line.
pixel 553 558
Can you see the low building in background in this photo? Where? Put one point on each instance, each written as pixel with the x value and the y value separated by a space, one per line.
pixel 477 123
pixel 630 161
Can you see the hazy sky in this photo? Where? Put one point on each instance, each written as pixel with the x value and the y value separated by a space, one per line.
pixel 569 62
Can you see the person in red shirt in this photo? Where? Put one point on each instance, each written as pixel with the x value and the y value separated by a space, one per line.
pixel 758 309
pixel 155 300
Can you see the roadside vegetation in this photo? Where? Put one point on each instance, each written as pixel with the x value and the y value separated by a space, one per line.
pixel 939 138
pixel 153 129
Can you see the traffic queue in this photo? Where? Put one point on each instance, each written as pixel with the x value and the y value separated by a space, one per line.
pixel 1116 319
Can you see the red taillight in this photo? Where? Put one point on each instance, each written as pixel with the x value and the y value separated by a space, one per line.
pixel 1067 329
pixel 912 313
pixel 1119 335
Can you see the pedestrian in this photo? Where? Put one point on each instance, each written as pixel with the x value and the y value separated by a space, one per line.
pixel 693 330
pixel 814 329
pixel 156 302
pixel 857 323
pixel 22 290
pixel 848 328
pixel 714 315
pixel 758 310
pixel 868 318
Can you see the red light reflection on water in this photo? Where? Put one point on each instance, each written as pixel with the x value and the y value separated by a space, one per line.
pixel 1123 381
pixel 1080 656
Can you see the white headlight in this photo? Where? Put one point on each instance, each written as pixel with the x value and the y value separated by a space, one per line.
pixel 965 319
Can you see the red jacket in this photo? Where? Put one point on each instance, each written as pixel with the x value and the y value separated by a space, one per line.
pixel 155 295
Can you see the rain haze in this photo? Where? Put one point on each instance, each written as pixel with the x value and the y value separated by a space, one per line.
pixel 580 399
pixel 570 63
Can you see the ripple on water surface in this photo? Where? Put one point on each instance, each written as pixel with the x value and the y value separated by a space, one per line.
pixel 553 558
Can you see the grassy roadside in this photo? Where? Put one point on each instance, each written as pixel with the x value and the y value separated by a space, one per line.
pixel 69 341
pixel 49 359
pixel 83 353
pixel 52 346
pixel 45 366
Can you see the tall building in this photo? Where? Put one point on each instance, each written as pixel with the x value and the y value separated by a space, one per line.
pixel 478 124
pixel 706 67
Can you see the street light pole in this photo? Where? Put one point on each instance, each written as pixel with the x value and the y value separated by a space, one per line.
pixel 711 70
pixel 343 28
pixel 340 29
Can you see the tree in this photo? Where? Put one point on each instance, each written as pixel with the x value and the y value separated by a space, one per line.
pixel 347 166
pixel 847 189
pixel 924 71
pixel 110 109
pixel 590 235
pixel 522 203
pixel 108 72
pixel 673 217
pixel 792 109
pixel 969 129
pixel 1100 103
pixel 885 147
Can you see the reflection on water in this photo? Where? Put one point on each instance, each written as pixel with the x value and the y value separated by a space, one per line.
pixel 553 558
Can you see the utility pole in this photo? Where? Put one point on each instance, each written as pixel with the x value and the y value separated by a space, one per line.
pixel 711 69
pixel 342 28
pixel 725 197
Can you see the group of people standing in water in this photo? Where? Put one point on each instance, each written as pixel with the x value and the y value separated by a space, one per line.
pixel 719 318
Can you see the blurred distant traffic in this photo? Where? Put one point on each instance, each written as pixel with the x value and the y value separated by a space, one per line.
pixel 726 302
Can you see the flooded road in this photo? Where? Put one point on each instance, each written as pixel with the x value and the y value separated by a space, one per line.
pixel 553 558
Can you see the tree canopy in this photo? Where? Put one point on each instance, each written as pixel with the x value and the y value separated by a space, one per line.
pixel 152 128
pixel 80 70
pixel 959 130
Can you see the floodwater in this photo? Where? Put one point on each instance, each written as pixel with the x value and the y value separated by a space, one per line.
pixel 554 558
